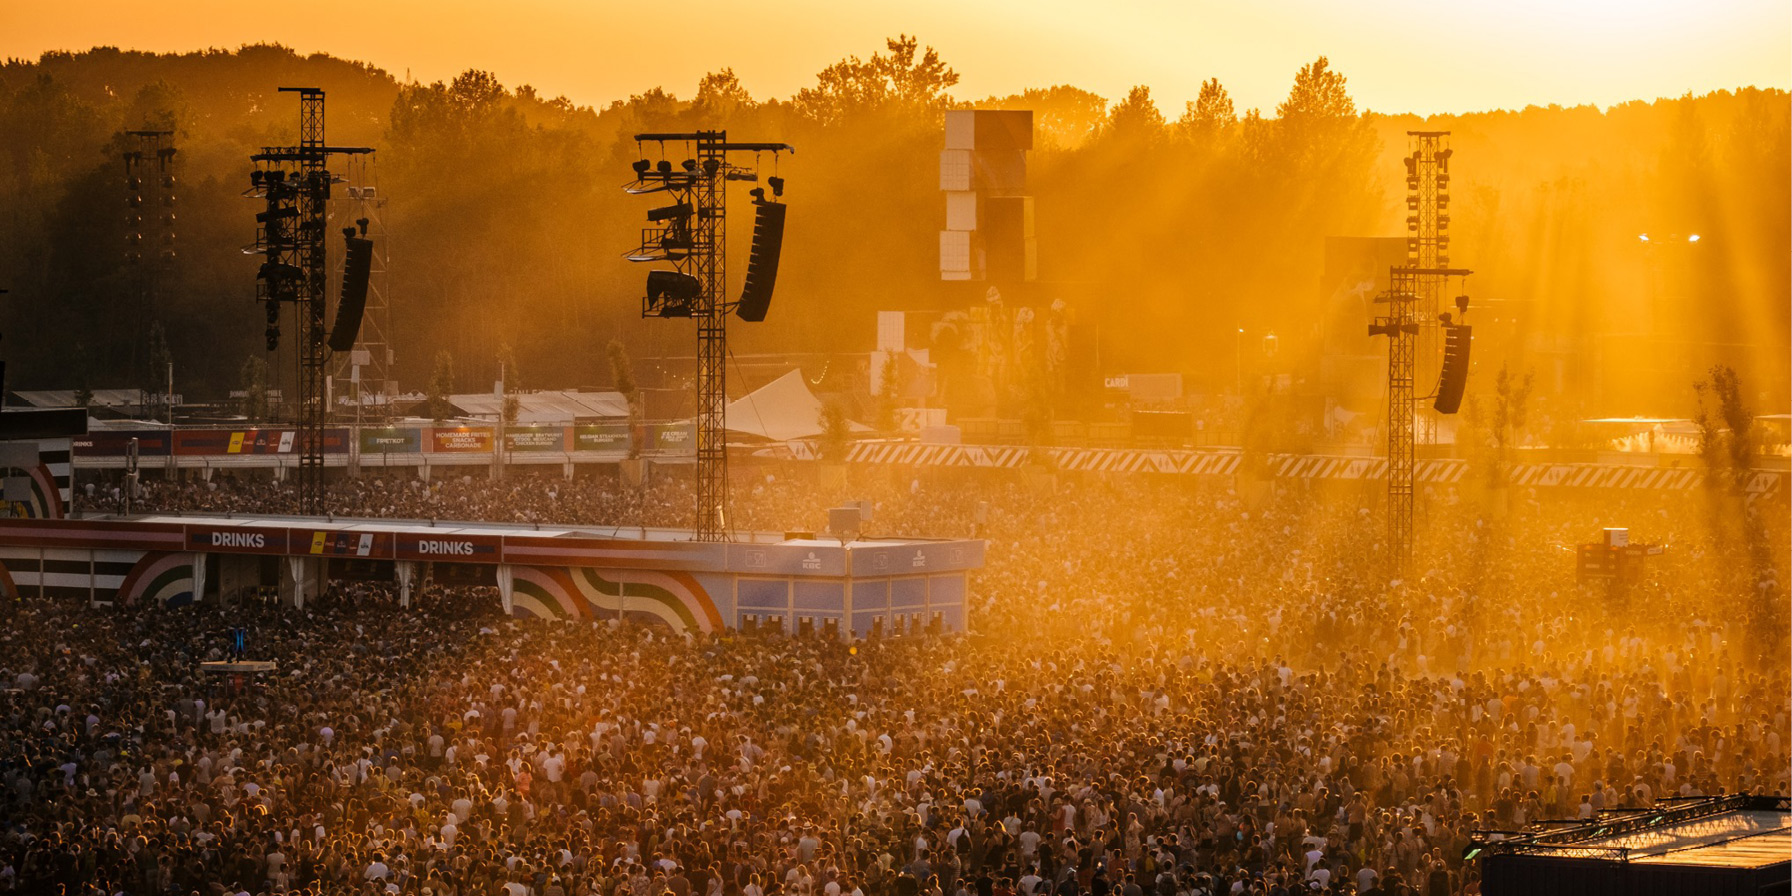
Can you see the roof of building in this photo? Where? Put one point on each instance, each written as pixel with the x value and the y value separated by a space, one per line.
pixel 545 407
pixel 1739 831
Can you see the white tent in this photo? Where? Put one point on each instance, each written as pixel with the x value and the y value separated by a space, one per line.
pixel 781 410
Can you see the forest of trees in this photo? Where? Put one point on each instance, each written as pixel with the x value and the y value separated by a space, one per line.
pixel 1163 233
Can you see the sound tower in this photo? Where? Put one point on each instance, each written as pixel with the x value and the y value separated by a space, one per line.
pixel 1454 376
pixel 357 265
pixel 762 264
pixel 672 294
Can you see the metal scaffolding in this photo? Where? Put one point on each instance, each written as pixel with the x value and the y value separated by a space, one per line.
pixel 295 181
pixel 692 235
pixel 1411 324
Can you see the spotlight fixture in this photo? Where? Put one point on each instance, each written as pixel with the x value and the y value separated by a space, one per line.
pixel 665 168
pixel 671 212
pixel 689 164
pixel 1643 236
pixel 711 166
pixel 1693 239
pixel 777 185
pixel 758 194
pixel 641 167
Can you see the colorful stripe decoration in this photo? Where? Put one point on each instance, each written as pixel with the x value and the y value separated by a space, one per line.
pixel 1226 461
pixel 673 600
pixel 46 502
pixel 163 577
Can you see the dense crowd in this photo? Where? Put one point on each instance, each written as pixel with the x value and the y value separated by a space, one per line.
pixel 1173 688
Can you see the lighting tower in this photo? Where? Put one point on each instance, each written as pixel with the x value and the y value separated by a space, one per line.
pixel 295 182
pixel 149 219
pixel 1428 247
pixel 1412 309
pixel 367 206
pixel 691 233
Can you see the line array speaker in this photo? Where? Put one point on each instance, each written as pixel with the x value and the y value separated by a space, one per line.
pixel 762 264
pixel 357 265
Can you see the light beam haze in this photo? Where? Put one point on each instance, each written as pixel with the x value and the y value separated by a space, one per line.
pixel 1400 55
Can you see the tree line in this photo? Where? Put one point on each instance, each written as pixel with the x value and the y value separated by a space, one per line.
pixel 1164 234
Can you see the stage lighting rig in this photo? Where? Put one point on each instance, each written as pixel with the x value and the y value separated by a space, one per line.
pixel 1414 328
pixel 290 233
pixel 690 234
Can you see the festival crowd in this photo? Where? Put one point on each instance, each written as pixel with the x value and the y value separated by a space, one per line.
pixel 1173 687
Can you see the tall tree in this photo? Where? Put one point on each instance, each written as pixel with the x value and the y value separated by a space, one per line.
pixel 622 376
pixel 1210 112
pixel 254 386
pixel 905 79
pixel 1135 118
pixel 720 97
pixel 1318 94
pixel 441 386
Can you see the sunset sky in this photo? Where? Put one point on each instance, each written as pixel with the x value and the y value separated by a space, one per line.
pixel 1400 55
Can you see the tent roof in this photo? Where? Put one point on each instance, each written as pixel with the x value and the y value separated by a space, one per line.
pixel 544 407
pixel 780 410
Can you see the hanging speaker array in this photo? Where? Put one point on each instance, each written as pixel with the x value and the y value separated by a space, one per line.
pixel 762 264
pixel 1452 379
pixel 357 265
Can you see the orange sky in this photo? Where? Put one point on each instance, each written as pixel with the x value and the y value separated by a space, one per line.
pixel 1400 55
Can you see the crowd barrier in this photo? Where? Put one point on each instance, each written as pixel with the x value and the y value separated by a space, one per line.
pixel 399 446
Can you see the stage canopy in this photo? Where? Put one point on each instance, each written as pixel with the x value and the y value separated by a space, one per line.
pixel 781 410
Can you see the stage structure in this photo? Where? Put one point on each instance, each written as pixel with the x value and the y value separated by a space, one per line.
pixel 691 234
pixel 295 181
pixel 792 582
pixel 367 370
pixel 1735 845
pixel 1412 311
pixel 149 231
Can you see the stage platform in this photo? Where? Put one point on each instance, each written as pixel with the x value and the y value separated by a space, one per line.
pixel 869 587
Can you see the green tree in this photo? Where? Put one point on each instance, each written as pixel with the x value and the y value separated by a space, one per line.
pixel 1511 410
pixel 1212 109
pixel 1135 118
pixel 889 397
pixel 154 384
pixel 1319 93
pixel 254 385
pixel 836 430
pixel 512 377
pixel 1318 120
pixel 1726 427
pixel 441 386
pixel 622 374
pixel 906 79
pixel 721 98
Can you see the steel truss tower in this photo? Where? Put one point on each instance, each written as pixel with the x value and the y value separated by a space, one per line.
pixel 295 181
pixel 378 385
pixel 696 242
pixel 149 250
pixel 1428 250
pixel 1412 326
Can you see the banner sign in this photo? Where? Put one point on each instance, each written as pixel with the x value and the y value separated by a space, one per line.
pixel 461 440
pixel 611 438
pixel 391 441
pixel 672 438
pixel 535 438
pixel 452 547
pixel 235 441
pixel 115 443
pixel 324 543
pixel 236 540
